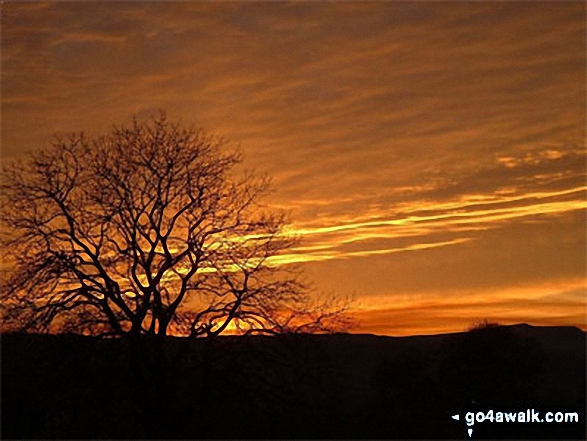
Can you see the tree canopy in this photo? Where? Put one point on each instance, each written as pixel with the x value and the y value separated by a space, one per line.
pixel 147 230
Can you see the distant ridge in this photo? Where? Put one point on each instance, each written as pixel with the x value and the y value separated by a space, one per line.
pixel 522 329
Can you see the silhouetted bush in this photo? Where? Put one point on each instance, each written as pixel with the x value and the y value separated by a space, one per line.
pixel 483 324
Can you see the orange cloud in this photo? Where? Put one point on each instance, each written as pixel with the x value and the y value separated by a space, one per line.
pixel 562 305
pixel 418 147
pixel 468 214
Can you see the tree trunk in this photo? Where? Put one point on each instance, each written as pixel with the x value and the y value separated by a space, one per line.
pixel 163 325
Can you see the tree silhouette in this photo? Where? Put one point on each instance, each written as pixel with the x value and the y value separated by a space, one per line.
pixel 145 231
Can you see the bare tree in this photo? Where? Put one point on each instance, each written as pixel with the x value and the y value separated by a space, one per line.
pixel 147 231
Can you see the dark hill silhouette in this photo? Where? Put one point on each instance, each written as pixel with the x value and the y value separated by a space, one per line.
pixel 292 386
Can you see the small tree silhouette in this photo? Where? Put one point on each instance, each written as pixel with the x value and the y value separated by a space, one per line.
pixel 145 231
pixel 482 324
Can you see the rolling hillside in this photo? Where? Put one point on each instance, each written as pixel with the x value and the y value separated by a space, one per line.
pixel 299 386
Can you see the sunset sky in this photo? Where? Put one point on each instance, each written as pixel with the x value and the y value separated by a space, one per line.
pixel 431 155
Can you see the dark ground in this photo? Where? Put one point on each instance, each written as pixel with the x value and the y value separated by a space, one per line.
pixel 337 386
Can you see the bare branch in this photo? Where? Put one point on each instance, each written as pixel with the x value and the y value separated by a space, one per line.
pixel 144 231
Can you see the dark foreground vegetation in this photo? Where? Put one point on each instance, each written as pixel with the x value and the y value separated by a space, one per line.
pixel 296 386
